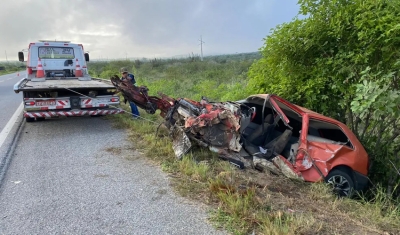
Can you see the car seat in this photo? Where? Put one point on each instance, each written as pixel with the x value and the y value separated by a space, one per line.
pixel 258 136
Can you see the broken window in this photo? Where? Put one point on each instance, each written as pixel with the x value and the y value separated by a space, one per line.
pixel 320 131
pixel 295 120
pixel 296 123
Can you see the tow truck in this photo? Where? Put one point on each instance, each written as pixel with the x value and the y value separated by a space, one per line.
pixel 57 83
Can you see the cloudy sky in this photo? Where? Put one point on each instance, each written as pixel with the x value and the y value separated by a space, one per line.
pixel 142 28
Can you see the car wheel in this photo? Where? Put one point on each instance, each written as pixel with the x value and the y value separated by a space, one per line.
pixel 341 182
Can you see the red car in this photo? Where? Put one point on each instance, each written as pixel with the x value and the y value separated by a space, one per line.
pixel 263 131
pixel 304 144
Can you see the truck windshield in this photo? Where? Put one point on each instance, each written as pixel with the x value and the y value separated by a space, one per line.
pixel 56 52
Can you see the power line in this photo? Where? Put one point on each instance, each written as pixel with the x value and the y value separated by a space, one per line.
pixel 201 46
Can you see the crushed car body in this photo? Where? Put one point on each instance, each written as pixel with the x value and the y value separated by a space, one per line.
pixel 265 132
pixel 304 144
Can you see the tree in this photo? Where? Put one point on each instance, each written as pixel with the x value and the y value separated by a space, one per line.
pixel 341 60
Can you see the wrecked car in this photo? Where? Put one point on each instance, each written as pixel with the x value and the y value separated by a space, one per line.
pixel 265 132
pixel 304 144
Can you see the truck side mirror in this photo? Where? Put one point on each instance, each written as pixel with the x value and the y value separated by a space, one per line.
pixel 21 56
pixel 87 56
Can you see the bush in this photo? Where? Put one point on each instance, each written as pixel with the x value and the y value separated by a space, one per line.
pixel 342 60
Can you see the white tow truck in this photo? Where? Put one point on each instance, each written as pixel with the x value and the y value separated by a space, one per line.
pixel 57 83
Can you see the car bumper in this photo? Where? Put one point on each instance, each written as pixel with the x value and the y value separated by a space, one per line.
pixel 360 181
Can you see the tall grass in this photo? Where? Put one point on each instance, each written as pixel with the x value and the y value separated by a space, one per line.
pixel 247 201
pixel 10 67
pixel 224 80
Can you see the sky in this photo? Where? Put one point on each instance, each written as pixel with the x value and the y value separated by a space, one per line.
pixel 142 28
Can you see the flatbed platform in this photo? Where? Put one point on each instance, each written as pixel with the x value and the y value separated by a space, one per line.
pixel 27 85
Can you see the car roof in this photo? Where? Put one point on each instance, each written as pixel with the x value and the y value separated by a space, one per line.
pixel 312 114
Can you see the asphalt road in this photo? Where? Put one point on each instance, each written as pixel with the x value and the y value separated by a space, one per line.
pixel 9 99
pixel 80 176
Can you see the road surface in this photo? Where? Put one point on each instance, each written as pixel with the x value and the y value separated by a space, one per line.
pixel 9 100
pixel 80 176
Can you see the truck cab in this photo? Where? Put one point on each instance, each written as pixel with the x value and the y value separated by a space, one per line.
pixel 58 59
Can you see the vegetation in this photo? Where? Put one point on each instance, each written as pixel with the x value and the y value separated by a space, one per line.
pixel 10 67
pixel 342 60
pixel 248 201
pixel 243 201
pixel 190 77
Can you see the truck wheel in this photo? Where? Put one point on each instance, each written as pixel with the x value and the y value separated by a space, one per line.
pixel 341 182
pixel 28 119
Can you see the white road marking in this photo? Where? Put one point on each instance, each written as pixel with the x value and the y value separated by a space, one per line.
pixel 4 133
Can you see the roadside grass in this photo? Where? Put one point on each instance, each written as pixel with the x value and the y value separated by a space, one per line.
pixel 11 67
pixel 241 201
pixel 8 71
pixel 247 201
pixel 212 77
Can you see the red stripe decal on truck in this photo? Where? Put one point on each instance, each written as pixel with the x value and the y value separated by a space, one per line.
pixel 71 113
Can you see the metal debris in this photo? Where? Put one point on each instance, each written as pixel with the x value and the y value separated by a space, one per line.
pixel 266 145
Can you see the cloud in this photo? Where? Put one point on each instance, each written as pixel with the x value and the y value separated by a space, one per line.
pixel 142 28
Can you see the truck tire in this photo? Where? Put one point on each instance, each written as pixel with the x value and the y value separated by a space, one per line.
pixel 28 119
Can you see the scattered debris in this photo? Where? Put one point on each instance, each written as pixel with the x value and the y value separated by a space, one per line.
pixel 264 132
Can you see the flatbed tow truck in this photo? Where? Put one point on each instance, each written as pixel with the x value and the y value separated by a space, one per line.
pixel 56 85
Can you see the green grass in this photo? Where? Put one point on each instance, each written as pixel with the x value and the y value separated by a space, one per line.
pixel 10 67
pixel 246 201
pixel 8 71
pixel 185 78
pixel 242 201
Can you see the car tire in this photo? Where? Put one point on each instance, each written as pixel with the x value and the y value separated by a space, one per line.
pixel 341 181
pixel 28 119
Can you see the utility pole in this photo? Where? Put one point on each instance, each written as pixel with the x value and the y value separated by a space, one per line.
pixel 6 55
pixel 201 46
pixel 126 54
